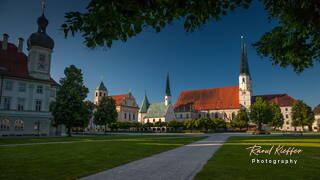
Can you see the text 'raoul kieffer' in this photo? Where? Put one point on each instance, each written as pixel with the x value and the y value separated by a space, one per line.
pixel 276 150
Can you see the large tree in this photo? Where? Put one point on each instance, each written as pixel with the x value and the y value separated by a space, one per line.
pixel 242 119
pixel 302 115
pixel 69 107
pixel 293 42
pixel 106 112
pixel 277 117
pixel 260 112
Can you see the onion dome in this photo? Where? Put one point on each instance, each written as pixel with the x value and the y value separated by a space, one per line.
pixel 41 38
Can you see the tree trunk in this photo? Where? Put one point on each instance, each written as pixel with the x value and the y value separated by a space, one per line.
pixel 105 129
pixel 259 126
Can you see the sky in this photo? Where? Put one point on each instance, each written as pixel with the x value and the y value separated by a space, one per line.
pixel 207 58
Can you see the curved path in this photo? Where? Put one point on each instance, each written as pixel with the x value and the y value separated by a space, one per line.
pixel 178 164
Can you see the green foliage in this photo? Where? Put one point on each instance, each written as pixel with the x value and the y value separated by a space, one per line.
pixel 69 108
pixel 107 21
pixel 260 112
pixel 242 119
pixel 106 112
pixel 294 42
pixel 277 117
pixel 302 114
pixel 205 123
pixel 175 124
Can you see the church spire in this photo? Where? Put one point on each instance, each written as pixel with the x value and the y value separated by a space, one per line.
pixel 244 66
pixel 145 104
pixel 167 97
pixel 168 92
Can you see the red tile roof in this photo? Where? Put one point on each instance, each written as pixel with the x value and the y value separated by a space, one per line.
pixel 119 98
pixel 317 110
pixel 209 99
pixel 14 64
pixel 280 99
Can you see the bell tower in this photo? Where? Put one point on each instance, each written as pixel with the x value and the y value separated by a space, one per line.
pixel 245 84
pixel 100 92
pixel 40 46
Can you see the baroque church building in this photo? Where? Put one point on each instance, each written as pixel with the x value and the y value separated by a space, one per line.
pixel 225 102
pixel 157 112
pixel 26 86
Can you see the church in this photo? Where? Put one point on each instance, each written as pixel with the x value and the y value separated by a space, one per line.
pixel 225 102
pixel 26 86
pixel 126 106
pixel 157 112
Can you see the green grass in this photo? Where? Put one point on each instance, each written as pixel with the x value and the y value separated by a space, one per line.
pixel 232 160
pixel 23 140
pixel 74 160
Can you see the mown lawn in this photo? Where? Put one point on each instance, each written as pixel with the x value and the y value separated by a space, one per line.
pixel 73 160
pixel 232 160
pixel 22 140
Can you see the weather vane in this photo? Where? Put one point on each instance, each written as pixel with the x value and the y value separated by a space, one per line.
pixel 43 6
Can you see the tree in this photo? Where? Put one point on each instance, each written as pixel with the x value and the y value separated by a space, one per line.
pixel 260 112
pixel 175 124
pixel 106 112
pixel 294 42
pixel 277 117
pixel 69 107
pixel 302 115
pixel 242 119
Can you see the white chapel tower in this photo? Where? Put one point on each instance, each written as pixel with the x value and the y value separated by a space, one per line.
pixel 245 84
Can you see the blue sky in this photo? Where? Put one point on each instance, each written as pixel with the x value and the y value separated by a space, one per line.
pixel 207 58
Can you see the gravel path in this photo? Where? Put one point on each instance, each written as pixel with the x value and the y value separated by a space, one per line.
pixel 178 164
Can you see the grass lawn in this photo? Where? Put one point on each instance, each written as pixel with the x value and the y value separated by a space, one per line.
pixel 73 160
pixel 232 160
pixel 22 140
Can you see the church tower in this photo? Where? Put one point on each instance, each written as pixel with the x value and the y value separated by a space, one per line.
pixel 144 109
pixel 40 47
pixel 245 84
pixel 100 92
pixel 167 98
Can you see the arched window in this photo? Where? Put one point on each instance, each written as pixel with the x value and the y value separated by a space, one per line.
pixel 96 94
pixel 18 126
pixel 4 125
pixel 243 80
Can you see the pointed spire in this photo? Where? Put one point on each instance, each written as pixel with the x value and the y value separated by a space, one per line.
pixel 101 87
pixel 244 66
pixel 168 91
pixel 145 104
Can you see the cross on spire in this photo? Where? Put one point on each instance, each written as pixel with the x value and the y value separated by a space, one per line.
pixel 43 6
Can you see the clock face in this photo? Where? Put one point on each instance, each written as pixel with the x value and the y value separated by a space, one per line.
pixel 42 65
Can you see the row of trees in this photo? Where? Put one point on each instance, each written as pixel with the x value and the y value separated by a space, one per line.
pixel 262 112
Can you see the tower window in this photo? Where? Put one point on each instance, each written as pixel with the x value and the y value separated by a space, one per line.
pixel 100 94
pixel 96 94
pixel 243 80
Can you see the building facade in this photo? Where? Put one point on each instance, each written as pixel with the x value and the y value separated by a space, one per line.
pixel 316 123
pixel 225 102
pixel 157 112
pixel 126 106
pixel 26 86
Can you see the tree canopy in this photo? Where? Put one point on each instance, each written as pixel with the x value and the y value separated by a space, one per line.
pixel 277 117
pixel 260 112
pixel 106 112
pixel 302 114
pixel 294 42
pixel 242 119
pixel 69 107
